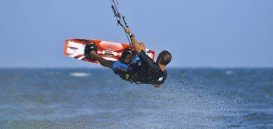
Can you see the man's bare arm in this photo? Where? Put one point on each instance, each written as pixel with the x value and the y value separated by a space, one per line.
pixel 134 41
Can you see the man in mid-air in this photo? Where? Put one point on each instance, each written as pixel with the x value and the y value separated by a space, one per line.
pixel 135 65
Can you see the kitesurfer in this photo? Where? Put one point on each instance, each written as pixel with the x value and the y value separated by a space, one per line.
pixel 135 66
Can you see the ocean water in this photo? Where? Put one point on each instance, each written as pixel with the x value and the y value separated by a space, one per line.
pixel 97 99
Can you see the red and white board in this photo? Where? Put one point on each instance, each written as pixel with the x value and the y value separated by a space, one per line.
pixel 108 50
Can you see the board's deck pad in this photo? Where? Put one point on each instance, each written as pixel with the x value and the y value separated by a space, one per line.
pixel 108 50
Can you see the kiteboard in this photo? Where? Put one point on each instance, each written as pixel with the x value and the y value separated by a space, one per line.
pixel 74 48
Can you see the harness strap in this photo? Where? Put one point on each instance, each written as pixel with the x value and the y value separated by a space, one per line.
pixel 133 72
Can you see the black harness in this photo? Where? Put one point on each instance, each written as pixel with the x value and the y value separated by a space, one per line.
pixel 132 73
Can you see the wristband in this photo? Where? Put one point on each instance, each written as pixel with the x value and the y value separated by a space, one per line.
pixel 131 35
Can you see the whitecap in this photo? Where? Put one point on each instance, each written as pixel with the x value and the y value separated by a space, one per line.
pixel 79 74
pixel 229 72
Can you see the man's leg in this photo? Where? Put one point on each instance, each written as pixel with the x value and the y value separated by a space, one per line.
pixel 129 57
pixel 118 67
pixel 103 62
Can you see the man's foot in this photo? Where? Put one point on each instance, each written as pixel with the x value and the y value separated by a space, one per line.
pixel 90 48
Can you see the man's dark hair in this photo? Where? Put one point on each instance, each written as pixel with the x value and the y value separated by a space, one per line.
pixel 165 57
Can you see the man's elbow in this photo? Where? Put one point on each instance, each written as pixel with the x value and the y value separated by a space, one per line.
pixel 137 49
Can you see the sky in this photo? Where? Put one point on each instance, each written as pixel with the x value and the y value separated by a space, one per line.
pixel 198 33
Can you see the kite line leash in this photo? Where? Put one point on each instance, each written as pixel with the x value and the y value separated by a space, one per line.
pixel 121 20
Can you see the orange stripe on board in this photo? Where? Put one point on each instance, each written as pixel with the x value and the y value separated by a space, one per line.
pixel 65 48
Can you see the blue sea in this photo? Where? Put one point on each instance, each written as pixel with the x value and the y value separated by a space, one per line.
pixel 97 99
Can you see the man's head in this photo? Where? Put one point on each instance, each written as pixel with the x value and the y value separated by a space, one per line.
pixel 164 58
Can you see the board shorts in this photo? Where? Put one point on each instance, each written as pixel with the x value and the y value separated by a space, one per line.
pixel 120 66
pixel 123 69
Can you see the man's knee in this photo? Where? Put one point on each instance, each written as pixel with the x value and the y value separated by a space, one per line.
pixel 107 63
